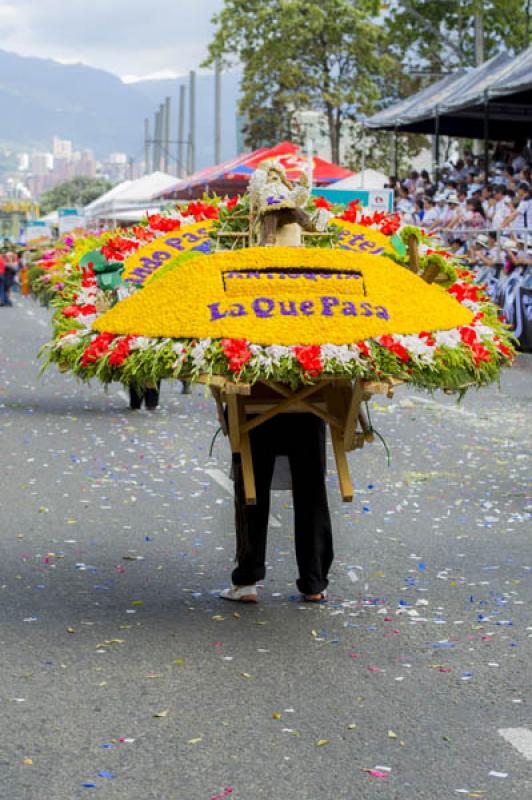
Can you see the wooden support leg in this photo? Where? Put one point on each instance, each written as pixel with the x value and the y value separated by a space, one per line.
pixel 335 402
pixel 246 458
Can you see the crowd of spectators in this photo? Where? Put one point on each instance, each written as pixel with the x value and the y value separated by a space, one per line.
pixel 487 218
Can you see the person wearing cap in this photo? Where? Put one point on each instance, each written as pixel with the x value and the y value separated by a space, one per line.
pixel 488 252
pixel 455 212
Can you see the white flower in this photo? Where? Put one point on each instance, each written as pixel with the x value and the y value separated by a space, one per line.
pixel 341 353
pixel 141 343
pixel 277 352
pixel 417 347
pixel 449 338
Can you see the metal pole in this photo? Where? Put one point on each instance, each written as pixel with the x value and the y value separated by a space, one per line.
pixel 310 160
pixel 396 155
pixel 192 123
pixel 166 138
pixel 437 153
pixel 157 142
pixel 180 164
pixel 486 136
pixel 147 146
pixel 479 33
pixel 218 113
pixel 363 147
pixel 154 141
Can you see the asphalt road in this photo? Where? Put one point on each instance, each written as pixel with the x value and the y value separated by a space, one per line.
pixel 124 677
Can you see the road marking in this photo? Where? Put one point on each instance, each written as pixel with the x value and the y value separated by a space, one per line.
pixel 520 738
pixel 227 484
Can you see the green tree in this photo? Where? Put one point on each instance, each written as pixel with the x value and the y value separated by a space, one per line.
pixel 440 36
pixel 298 54
pixel 78 191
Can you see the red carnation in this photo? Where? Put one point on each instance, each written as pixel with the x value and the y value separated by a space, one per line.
pixel 321 202
pixel 395 347
pixel 120 352
pixel 237 353
pixel 97 348
pixel 364 349
pixel 164 224
pixel 309 357
pixel 231 203
pixel 71 311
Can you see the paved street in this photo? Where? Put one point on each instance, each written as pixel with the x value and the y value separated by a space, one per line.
pixel 124 677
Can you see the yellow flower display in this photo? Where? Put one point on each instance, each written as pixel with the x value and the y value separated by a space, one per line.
pixel 142 264
pixel 318 306
pixel 361 239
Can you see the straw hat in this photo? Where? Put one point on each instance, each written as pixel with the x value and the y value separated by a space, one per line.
pixel 453 199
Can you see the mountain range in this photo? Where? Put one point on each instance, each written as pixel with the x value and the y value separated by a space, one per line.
pixel 40 98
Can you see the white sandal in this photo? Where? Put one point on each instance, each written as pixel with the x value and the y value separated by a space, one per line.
pixel 240 594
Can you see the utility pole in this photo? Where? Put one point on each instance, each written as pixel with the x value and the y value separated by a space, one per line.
pixel 217 113
pixel 147 169
pixel 166 137
pixel 192 123
pixel 180 164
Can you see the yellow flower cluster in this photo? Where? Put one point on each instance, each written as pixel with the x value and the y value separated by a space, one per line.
pixel 361 239
pixel 141 265
pixel 192 301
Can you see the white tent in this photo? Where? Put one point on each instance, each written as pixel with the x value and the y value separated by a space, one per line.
pixel 367 179
pixel 133 197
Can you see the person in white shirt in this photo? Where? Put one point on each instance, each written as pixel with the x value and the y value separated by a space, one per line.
pixel 521 216
pixel 431 217
pixel 454 213
pixel 404 206
pixel 502 207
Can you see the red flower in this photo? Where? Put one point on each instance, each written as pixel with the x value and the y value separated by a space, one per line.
pixel 142 233
pixel 390 225
pixel 120 352
pixel 364 349
pixel 480 353
pixel 505 350
pixel 118 247
pixel 97 348
pixel 71 311
pixel 465 291
pixel 309 357
pixel 351 212
pixel 395 347
pixel 428 336
pixel 163 224
pixel 232 203
pixel 321 202
pixel 468 335
pixel 201 211
pixel 237 353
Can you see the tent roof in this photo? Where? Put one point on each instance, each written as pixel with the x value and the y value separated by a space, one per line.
pixel 141 190
pixel 366 179
pixel 232 176
pixel 455 104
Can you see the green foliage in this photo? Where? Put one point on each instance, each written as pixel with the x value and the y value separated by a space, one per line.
pixel 78 191
pixel 440 36
pixel 297 54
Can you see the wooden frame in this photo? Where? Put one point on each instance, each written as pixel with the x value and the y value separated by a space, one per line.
pixel 337 401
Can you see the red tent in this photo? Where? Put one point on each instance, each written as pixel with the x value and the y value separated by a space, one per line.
pixel 231 177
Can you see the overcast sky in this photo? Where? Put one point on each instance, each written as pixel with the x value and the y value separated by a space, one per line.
pixel 132 38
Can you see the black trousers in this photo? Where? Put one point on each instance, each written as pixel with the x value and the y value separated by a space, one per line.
pixel 302 438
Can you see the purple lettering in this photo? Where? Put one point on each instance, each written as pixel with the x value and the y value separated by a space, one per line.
pixel 378 251
pixel 263 307
pixel 215 312
pixel 307 307
pixel 367 245
pixel 328 304
pixel 382 312
pixel 174 241
pixel 349 309
pixel 289 311
pixel 367 309
pixel 234 275
pixel 142 272
pixel 310 276
pixel 161 255
pixel 356 238
pixel 253 275
pixel 237 310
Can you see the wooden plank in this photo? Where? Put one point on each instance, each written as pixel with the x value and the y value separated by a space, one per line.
pixel 352 415
pixel 366 428
pixel 234 422
pixel 280 407
pixel 342 467
pixel 248 475
pixel 302 405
